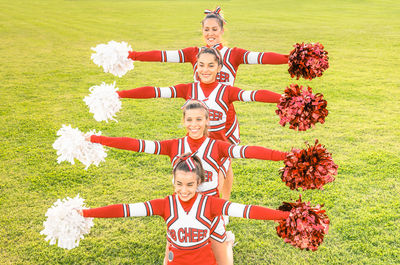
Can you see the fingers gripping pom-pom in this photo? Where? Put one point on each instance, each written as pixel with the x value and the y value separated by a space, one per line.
pixel 310 168
pixel 65 224
pixel 113 57
pixel 103 101
pixel 308 60
pixel 71 144
pixel 301 108
pixel 305 227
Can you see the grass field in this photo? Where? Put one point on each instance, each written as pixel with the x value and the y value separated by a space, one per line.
pixel 45 71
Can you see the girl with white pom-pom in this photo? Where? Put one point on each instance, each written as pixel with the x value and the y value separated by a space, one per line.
pixel 189 215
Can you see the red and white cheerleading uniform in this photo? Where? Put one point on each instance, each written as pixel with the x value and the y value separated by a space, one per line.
pixel 212 153
pixel 216 96
pixel 232 58
pixel 188 223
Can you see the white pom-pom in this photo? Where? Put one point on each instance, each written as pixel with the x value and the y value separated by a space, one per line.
pixel 113 57
pixel 65 224
pixel 103 102
pixel 71 144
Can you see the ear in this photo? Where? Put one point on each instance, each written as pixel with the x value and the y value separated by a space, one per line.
pixel 219 67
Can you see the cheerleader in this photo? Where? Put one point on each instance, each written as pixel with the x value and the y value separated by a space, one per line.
pixel 212 153
pixel 217 96
pixel 188 214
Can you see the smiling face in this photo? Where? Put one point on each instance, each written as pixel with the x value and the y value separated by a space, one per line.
pixel 208 67
pixel 195 122
pixel 212 32
pixel 185 184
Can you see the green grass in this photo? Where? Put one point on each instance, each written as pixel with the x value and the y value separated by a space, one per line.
pixel 45 72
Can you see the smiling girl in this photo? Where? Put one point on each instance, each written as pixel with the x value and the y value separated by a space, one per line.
pixel 188 214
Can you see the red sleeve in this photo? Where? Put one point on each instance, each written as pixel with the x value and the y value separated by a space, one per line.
pixel 256 152
pixel 190 54
pixel 111 211
pixel 136 145
pixel 159 206
pixel 262 95
pixel 149 56
pixel 140 92
pixel 125 143
pixel 263 213
pixel 266 57
pixel 275 58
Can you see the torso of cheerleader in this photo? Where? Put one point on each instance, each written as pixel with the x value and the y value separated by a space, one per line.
pixel 188 230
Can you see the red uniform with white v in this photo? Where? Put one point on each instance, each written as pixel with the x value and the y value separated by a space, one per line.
pixel 232 58
pixel 216 96
pixel 188 223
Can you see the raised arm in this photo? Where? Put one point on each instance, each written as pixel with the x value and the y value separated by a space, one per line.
pixel 224 207
pixel 262 95
pixel 241 56
pixel 149 208
pixel 178 56
pixel 178 91
pixel 244 151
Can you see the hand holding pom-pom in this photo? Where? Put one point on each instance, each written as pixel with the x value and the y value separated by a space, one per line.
pixel 113 57
pixel 71 144
pixel 308 60
pixel 301 108
pixel 103 102
pixel 65 223
pixel 306 225
pixel 309 168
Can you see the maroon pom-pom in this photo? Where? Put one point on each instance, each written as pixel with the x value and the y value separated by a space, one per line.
pixel 310 168
pixel 306 225
pixel 301 108
pixel 308 60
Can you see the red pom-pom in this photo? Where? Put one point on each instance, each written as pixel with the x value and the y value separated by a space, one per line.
pixel 308 60
pixel 301 108
pixel 310 168
pixel 305 227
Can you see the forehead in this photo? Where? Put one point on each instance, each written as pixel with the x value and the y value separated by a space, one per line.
pixel 211 22
pixel 199 112
pixel 185 177
pixel 207 58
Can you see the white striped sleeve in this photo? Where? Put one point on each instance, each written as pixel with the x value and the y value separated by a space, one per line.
pixel 253 57
pixel 237 151
pixel 135 209
pixel 247 95
pixel 239 210
pixel 165 92
pixel 149 147
pixel 175 56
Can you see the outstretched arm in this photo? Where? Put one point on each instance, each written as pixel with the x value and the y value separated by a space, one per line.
pixel 262 95
pixel 224 207
pixel 177 56
pixel 242 56
pixel 149 208
pixel 244 151
pixel 132 144
pixel 178 91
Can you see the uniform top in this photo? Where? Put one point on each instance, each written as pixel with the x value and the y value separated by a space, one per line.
pixel 211 152
pixel 188 223
pixel 216 96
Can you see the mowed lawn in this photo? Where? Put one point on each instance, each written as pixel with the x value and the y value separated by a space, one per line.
pixel 45 72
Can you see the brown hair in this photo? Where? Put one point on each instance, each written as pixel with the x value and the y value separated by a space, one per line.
pixel 181 165
pixel 213 51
